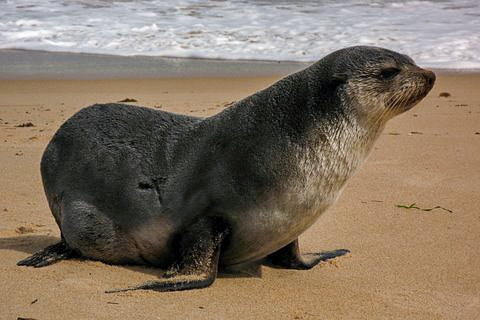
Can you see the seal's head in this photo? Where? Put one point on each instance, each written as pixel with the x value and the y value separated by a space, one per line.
pixel 377 82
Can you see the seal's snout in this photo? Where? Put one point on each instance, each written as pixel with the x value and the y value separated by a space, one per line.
pixel 429 78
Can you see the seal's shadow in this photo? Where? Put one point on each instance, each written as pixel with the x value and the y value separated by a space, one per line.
pixel 31 244
pixel 250 270
pixel 28 244
pixel 34 243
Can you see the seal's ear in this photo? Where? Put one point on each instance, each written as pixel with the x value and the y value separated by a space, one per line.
pixel 339 78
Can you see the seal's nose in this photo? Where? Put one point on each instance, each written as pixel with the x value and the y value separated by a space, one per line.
pixel 429 77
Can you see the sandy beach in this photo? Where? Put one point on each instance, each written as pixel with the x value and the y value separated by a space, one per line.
pixel 405 263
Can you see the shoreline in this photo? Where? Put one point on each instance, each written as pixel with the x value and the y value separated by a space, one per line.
pixel 20 64
pixel 35 65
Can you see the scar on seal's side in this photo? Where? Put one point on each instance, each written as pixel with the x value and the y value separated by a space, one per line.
pixel 134 185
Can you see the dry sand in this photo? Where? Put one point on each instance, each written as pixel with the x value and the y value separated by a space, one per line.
pixel 404 263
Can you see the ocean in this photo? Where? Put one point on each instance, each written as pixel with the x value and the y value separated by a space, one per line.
pixel 438 34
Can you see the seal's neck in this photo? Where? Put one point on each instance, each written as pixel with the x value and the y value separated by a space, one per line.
pixel 333 150
pixel 310 121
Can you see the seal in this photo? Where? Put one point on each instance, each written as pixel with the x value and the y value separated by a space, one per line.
pixel 132 185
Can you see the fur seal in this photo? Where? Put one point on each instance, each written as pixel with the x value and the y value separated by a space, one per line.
pixel 129 184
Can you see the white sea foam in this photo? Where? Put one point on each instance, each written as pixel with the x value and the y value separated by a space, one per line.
pixel 435 33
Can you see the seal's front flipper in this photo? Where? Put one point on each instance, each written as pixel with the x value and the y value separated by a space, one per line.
pixel 49 255
pixel 289 257
pixel 197 266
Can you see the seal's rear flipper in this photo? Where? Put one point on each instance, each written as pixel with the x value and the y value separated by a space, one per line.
pixel 49 255
pixel 198 260
pixel 289 257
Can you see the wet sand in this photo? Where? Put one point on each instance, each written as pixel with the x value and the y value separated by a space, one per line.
pixel 32 64
pixel 404 263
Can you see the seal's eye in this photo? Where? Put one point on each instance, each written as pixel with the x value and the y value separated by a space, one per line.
pixel 389 73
